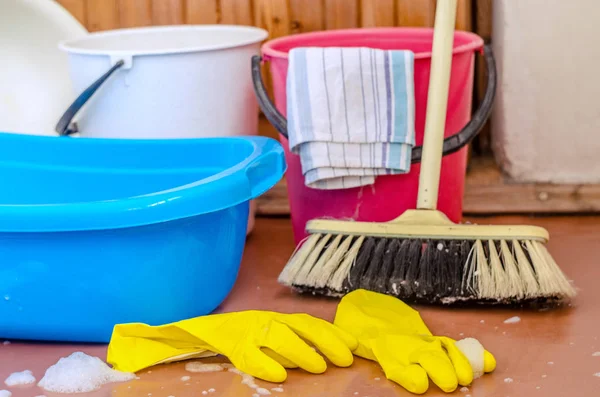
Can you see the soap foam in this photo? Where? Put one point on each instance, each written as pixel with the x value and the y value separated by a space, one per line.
pixel 5 393
pixel 197 366
pixel 512 320
pixel 79 373
pixel 20 378
pixel 474 351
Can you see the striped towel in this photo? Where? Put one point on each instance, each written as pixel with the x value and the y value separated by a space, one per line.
pixel 350 114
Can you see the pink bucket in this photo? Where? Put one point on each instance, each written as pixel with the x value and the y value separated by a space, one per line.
pixel 390 195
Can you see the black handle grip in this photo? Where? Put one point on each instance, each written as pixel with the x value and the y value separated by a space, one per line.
pixel 451 144
pixel 64 127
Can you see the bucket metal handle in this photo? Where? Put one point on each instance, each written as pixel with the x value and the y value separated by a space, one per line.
pixel 452 143
pixel 64 125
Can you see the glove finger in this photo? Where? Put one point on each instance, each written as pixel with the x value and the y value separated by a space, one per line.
pixel 322 335
pixel 462 366
pixel 287 344
pixel 279 358
pixel 439 368
pixel 412 377
pixel 256 363
pixel 489 362
pixel 348 339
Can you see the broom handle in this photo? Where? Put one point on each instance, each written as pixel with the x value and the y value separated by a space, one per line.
pixel 437 103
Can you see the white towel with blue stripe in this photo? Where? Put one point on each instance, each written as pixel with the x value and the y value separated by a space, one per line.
pixel 350 114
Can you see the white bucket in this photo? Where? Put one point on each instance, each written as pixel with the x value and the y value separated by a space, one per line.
pixel 181 81
pixel 177 81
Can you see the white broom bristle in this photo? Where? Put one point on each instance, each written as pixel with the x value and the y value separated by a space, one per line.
pixel 336 282
pixel 319 276
pixel 485 283
pixel 315 274
pixel 310 261
pixel 531 287
pixel 515 286
pixel 296 262
pixel 500 282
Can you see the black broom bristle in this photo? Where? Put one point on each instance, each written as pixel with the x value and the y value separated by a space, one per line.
pixel 374 268
pixel 380 283
pixel 363 261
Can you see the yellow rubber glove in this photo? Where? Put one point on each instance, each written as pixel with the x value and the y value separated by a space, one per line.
pixel 259 343
pixel 393 334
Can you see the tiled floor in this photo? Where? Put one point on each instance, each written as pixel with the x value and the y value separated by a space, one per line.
pixel 548 353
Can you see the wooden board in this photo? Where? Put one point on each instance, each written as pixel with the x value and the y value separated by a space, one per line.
pixel 201 11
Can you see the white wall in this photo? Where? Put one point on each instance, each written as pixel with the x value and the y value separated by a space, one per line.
pixel 546 121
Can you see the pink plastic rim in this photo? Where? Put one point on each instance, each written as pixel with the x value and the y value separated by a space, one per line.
pixel 278 48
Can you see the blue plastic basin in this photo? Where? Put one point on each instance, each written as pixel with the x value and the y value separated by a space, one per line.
pixel 95 232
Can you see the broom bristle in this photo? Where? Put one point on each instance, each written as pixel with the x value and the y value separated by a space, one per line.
pixel 427 270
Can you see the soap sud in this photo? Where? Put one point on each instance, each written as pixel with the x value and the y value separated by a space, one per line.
pixel 482 321
pixel 474 351
pixel 247 379
pixel 544 376
pixel 550 362
pixel 262 391
pixel 597 374
pixel 377 378
pixel 571 343
pixel 5 393
pixel 204 392
pixel 6 297
pixel 464 389
pixel 211 390
pixel 440 246
pixel 80 373
pixel 508 380
pixel 197 366
pixel 277 389
pixel 20 378
pixel 256 395
pixel 355 393
pixel 185 378
pixel 538 387
pixel 461 334
pixel 596 354
pixel 512 320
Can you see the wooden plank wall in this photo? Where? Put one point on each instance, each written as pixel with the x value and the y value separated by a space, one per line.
pixel 279 17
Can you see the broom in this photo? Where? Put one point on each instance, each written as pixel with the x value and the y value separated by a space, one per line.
pixel 422 256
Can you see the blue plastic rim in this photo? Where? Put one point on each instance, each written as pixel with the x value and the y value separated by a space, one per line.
pixel 95 232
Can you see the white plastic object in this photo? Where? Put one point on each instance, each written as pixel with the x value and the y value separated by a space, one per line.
pixel 177 82
pixel 35 87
